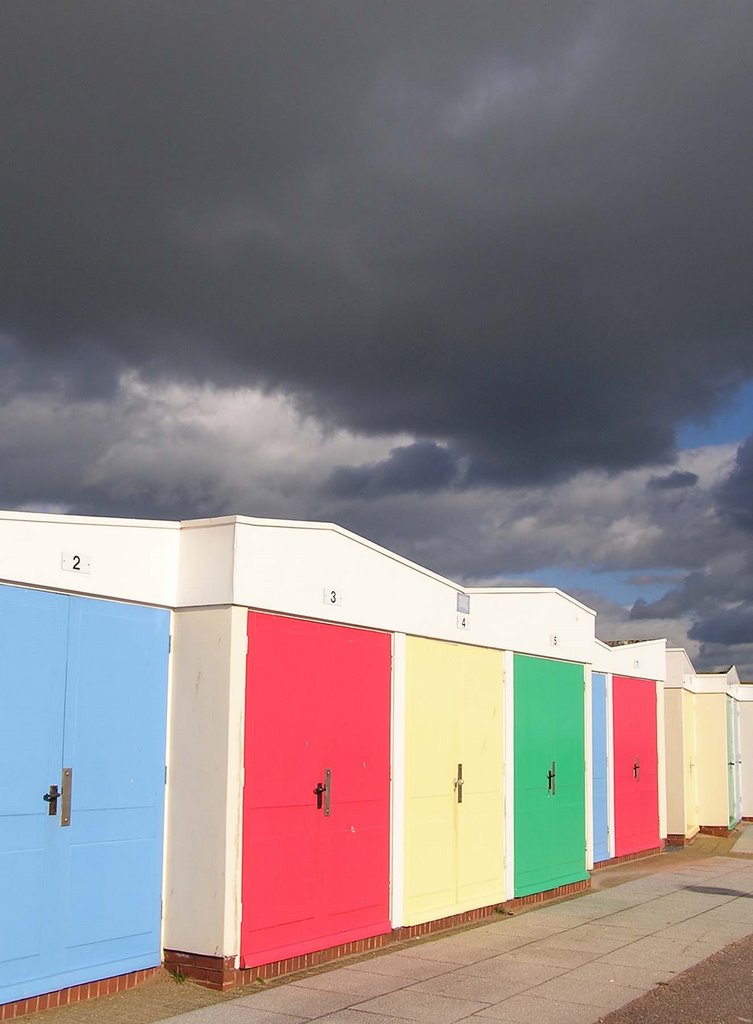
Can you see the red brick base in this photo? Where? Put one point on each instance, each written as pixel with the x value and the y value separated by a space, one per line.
pixel 77 993
pixel 627 857
pixel 677 839
pixel 720 831
pixel 549 894
pixel 221 973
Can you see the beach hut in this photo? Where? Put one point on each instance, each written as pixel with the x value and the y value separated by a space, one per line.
pixel 683 821
pixel 705 730
pixel 337 737
pixel 84 641
pixel 638 672
pixel 602 745
pixel 745 707
pixel 717 731
pixel 548 639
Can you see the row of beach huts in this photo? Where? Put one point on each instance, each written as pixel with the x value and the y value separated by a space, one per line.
pixel 240 747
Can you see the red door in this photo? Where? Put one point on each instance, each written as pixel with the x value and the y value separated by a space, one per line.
pixel 315 865
pixel 636 785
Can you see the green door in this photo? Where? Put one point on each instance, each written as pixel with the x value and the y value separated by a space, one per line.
pixel 550 778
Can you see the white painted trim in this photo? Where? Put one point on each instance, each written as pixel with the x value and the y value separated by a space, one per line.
pixel 610 767
pixel 661 743
pixel 60 517
pixel 508 757
pixel 236 705
pixel 397 846
pixel 588 765
pixel 535 591
pixel 168 789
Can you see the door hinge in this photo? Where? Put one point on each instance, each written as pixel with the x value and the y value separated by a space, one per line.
pixel 170 644
pixel 161 908
pixel 165 774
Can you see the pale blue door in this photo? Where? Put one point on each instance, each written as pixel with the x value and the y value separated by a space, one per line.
pixel 600 786
pixel 82 687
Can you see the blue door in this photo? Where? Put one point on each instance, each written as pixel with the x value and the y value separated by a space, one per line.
pixel 83 687
pixel 600 790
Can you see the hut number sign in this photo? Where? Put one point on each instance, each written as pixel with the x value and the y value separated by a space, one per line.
pixel 74 561
pixel 332 596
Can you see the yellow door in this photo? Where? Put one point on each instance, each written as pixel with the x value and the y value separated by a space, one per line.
pixel 454 821
pixel 690 784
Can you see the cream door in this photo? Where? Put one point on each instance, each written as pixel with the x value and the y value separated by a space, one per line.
pixel 454 783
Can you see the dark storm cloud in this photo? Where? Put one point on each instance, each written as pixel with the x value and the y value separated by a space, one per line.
pixel 728 627
pixel 673 481
pixel 421 467
pixel 521 228
pixel 735 495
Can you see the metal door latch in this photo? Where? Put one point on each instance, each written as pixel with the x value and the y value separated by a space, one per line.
pixel 323 791
pixel 636 768
pixel 551 778
pixel 51 798
pixel 457 783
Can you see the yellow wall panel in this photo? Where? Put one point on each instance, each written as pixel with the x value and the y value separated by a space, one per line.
pixel 675 759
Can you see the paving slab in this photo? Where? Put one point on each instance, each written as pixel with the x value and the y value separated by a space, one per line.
pixel 592 938
pixel 505 978
pixel 352 1015
pixel 230 1013
pixel 354 983
pixel 744 842
pixel 428 1007
pixel 551 955
pixel 606 995
pixel 399 966
pixel 530 1009
pixel 295 1000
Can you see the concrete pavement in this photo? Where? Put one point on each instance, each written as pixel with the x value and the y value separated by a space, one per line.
pixel 570 963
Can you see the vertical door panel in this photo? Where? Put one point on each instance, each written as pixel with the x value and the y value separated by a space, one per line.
pixel 33 632
pixel 430 763
pixel 480 817
pixel 731 763
pixel 454 852
pixel 738 761
pixel 283 736
pixel 114 741
pixel 600 783
pixel 550 822
pixel 689 746
pixel 318 698
pixel 636 788
pixel 93 696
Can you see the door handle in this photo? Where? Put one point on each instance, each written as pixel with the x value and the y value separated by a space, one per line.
pixel 457 783
pixel 636 768
pixel 323 792
pixel 66 791
pixel 51 799
pixel 551 778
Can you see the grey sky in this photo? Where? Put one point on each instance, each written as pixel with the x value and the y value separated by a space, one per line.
pixel 481 249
